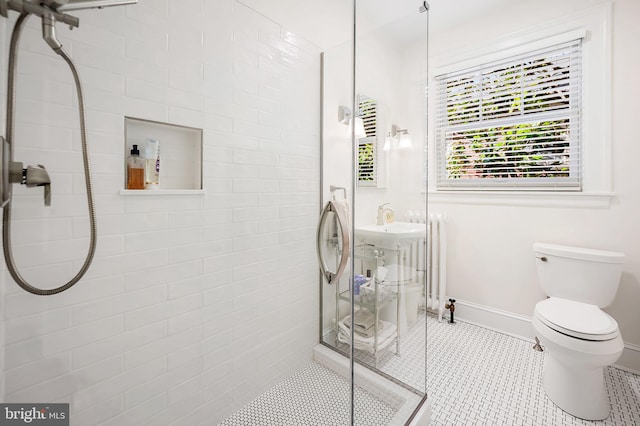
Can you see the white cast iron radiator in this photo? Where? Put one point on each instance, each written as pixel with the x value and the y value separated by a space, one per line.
pixel 430 258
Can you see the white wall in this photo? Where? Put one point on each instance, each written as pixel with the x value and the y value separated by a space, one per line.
pixel 394 74
pixel 490 260
pixel 194 304
pixel 377 76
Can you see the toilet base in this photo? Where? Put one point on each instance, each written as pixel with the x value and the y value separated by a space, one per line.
pixel 581 393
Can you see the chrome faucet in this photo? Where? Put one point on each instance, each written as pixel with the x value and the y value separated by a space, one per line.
pixel 381 211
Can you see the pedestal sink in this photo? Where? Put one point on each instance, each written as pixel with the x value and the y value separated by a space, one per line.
pixel 391 235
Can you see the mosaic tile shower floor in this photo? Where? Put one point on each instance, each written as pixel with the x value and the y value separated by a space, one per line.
pixel 475 376
pixel 314 395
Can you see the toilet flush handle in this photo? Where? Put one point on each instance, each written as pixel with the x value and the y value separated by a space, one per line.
pixel 542 258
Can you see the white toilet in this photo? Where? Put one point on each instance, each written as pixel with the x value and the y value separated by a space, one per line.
pixel 579 338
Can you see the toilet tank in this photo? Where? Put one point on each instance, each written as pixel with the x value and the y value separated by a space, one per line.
pixel 580 274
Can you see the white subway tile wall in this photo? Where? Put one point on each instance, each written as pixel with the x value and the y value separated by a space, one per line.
pixel 194 304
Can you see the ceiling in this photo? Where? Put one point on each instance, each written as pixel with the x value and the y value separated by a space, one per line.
pixel 328 23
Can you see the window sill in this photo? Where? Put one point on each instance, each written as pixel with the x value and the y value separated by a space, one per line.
pixel 595 200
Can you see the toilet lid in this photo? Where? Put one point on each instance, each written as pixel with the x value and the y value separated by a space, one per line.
pixel 576 319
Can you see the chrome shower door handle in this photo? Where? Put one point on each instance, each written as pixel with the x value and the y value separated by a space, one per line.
pixel 332 277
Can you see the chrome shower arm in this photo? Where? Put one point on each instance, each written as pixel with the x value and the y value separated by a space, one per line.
pixel 90 4
pixel 24 6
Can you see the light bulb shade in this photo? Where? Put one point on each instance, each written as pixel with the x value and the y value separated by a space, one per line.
pixel 387 143
pixel 360 132
pixel 405 141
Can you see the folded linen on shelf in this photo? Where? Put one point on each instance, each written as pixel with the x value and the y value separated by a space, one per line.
pixel 363 320
pixel 386 335
pixel 366 332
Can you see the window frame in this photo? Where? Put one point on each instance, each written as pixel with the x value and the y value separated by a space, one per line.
pixel 598 162
pixel 475 72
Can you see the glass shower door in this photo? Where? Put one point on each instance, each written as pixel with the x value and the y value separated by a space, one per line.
pixel 374 165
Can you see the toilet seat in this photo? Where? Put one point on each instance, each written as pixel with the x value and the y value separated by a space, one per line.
pixel 576 319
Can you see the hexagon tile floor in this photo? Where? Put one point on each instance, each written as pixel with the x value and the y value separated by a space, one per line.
pixel 314 395
pixel 475 376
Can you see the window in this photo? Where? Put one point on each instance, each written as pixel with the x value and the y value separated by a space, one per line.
pixel 367 146
pixel 513 123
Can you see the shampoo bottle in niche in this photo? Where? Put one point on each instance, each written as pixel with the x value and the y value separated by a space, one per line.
pixel 135 169
pixel 152 154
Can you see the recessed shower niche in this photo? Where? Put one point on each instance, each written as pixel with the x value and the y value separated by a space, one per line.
pixel 180 150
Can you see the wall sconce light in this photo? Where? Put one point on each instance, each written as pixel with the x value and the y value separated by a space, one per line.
pixel 401 135
pixel 345 117
pixel 387 142
pixel 405 139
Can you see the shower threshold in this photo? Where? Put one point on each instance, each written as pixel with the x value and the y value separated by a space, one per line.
pixel 319 394
pixel 404 401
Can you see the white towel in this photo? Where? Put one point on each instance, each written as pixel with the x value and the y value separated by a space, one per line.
pixel 386 335
pixel 341 208
pixel 367 331
pixel 363 319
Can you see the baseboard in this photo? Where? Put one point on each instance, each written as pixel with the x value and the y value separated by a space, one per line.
pixel 630 359
pixel 520 326
pixel 495 319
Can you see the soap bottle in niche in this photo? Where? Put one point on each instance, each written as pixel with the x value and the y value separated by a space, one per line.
pixel 152 155
pixel 135 169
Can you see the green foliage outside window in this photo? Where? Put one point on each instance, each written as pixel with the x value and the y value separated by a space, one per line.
pixel 495 126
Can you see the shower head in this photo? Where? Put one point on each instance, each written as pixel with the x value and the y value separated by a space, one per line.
pixel 70 5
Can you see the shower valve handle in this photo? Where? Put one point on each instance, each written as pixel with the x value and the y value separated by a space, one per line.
pixel 31 176
pixel 38 176
pixel 47 194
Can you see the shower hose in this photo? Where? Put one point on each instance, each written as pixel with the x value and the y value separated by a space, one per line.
pixel 6 217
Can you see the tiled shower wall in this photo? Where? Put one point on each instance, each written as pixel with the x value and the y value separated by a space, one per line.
pixel 194 303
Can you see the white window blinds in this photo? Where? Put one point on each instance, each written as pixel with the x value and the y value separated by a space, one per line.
pixel 512 124
pixel 367 146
